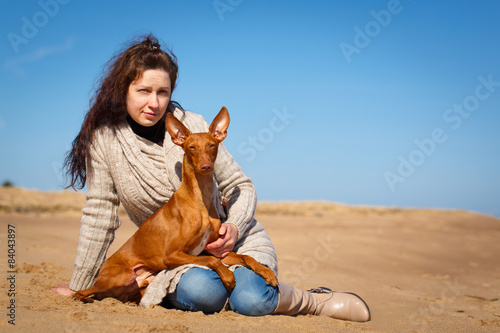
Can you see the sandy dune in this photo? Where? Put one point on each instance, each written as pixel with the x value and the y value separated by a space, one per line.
pixel 418 270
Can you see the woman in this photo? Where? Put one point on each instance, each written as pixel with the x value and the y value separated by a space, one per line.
pixel 124 155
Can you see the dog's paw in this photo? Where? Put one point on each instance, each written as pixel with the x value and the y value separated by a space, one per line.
pixel 269 276
pixel 229 281
pixel 85 299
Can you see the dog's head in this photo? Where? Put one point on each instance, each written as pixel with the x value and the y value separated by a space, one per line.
pixel 200 148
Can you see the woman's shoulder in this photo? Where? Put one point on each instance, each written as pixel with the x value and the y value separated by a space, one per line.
pixel 104 132
pixel 108 136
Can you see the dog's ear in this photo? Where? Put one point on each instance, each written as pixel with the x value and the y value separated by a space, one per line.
pixel 219 125
pixel 178 132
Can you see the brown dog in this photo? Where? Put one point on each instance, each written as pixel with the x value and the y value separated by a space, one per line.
pixel 179 231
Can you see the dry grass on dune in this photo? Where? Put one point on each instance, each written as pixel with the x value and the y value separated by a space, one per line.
pixel 20 200
pixel 324 208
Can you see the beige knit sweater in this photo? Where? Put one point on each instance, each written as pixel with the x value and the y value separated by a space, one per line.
pixel 142 176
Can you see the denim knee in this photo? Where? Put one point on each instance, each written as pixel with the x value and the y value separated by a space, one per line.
pixel 252 296
pixel 199 290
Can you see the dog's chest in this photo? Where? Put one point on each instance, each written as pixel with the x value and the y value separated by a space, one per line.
pixel 207 233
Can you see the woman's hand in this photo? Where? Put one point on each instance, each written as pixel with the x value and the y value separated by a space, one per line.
pixel 225 244
pixel 63 290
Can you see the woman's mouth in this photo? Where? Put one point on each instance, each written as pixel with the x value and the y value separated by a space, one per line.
pixel 150 115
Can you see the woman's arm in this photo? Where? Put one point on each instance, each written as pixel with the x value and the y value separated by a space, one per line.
pixel 99 221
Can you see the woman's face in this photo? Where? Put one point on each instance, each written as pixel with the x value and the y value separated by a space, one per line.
pixel 148 97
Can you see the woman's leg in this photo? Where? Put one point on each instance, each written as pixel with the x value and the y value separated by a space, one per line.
pixel 252 296
pixel 199 290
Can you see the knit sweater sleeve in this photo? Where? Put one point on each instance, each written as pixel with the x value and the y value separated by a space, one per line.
pixel 99 221
pixel 237 190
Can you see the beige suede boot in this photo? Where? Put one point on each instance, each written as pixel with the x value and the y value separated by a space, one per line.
pixel 321 301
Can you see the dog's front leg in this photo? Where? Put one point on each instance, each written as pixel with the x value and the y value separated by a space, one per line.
pixel 178 258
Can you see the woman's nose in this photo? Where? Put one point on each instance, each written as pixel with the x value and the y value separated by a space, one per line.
pixel 153 102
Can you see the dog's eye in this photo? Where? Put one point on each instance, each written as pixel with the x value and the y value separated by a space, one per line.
pixel 212 146
pixel 192 147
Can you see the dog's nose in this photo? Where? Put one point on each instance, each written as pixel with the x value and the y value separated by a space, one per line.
pixel 206 167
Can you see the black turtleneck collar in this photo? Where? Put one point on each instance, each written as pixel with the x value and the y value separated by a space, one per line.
pixel 155 133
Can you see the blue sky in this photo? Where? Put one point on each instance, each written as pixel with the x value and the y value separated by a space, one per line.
pixel 387 103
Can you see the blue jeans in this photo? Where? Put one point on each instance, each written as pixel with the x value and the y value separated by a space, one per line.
pixel 202 290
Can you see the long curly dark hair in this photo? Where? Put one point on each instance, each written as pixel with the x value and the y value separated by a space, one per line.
pixel 108 103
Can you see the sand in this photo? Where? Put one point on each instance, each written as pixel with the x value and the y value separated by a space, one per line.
pixel 418 270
